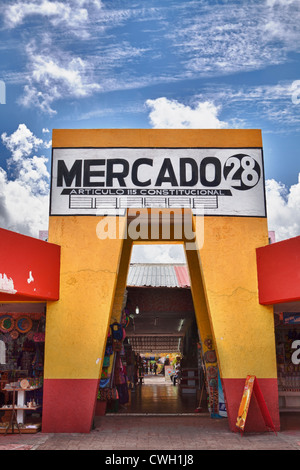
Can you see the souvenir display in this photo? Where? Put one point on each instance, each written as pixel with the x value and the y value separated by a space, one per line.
pixel 6 323
pixel 14 334
pixel 113 385
pixel 210 357
pixel 24 324
pixel 21 370
pixel 216 402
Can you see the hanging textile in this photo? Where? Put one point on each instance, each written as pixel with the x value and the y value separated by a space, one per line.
pixel 2 353
pixel 121 381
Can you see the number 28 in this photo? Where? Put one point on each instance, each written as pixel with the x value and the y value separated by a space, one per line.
pixel 242 172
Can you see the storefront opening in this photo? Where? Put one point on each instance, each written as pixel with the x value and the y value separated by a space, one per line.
pixel 159 365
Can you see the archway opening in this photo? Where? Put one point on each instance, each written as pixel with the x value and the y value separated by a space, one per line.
pixel 162 356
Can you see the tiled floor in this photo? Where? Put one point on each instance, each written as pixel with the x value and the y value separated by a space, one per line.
pixel 159 396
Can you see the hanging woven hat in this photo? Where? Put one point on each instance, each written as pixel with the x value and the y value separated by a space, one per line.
pixel 14 334
pixel 212 372
pixel 24 324
pixel 210 356
pixel 6 323
pixel 30 335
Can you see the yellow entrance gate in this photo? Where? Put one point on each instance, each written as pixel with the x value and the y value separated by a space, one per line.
pixel 110 188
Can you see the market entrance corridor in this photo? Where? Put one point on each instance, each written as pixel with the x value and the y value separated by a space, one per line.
pixel 158 395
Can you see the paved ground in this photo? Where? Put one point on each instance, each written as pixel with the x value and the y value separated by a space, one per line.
pixel 156 433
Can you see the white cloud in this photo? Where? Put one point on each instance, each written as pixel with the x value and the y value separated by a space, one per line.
pixel 21 143
pixel 53 77
pixel 48 144
pixel 166 113
pixel 234 36
pixel 282 3
pixel 34 174
pixel 24 194
pixel 158 254
pixel 71 12
pixel 276 103
pixel 283 209
pixel 28 171
pixel 21 210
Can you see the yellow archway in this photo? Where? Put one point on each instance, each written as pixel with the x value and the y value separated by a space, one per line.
pixel 222 268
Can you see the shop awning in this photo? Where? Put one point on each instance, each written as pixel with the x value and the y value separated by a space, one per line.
pixel 29 268
pixel 278 270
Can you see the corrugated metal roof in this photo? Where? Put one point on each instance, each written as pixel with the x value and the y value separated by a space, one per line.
pixel 182 276
pixel 158 275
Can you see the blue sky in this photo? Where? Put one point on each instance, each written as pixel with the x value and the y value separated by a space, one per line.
pixel 154 64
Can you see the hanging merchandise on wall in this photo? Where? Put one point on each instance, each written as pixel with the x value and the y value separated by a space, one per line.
pixel 216 402
pixel 107 391
pixel 125 318
pixel 221 398
pixel 117 331
pixel 109 346
pixel 120 378
pixel 113 387
pixel 105 377
pixel 21 370
pixel 106 361
pixel 118 336
pixel 23 337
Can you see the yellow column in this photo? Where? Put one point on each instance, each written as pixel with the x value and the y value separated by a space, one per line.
pixel 242 329
pixel 198 294
pixel 120 289
pixel 122 281
pixel 228 260
pixel 77 325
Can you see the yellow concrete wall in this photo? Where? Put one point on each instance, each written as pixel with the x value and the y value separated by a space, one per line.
pixel 243 330
pixel 77 325
pixel 121 281
pixel 232 138
pixel 199 295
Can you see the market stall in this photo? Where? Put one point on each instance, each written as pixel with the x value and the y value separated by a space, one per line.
pixel 287 329
pixel 22 338
pixel 119 370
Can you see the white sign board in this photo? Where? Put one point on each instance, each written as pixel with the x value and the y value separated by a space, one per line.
pixel 209 181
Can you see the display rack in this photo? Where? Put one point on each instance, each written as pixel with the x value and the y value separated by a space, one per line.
pixel 18 411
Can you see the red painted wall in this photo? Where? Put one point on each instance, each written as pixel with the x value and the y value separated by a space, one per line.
pixel 278 271
pixel 69 405
pixel 21 255
pixel 233 392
